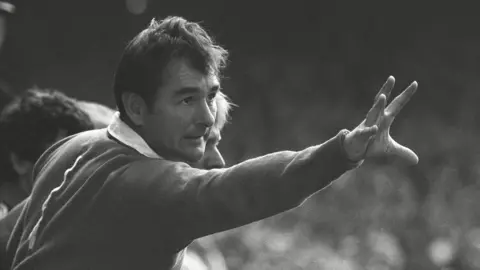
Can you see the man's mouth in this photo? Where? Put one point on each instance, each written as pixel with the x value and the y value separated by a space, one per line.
pixel 195 138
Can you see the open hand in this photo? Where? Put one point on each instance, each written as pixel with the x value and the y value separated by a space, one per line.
pixel 372 138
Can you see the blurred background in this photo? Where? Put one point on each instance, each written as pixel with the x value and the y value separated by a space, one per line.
pixel 299 72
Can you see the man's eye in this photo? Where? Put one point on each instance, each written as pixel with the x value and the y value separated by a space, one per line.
pixel 187 100
pixel 211 97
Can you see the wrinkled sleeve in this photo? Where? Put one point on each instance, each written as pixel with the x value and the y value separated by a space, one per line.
pixel 201 202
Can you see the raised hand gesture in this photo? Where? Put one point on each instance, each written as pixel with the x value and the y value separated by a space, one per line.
pixel 371 139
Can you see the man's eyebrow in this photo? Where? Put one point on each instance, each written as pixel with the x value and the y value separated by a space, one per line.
pixel 187 91
pixel 195 90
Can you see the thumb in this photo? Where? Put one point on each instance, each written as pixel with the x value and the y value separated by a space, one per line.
pixel 405 153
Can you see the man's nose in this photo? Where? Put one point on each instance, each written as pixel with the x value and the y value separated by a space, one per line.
pixel 214 160
pixel 205 115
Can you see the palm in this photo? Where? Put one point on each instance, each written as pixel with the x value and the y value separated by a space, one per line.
pixel 384 145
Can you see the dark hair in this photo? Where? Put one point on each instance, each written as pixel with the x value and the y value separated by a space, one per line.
pixel 146 56
pixel 32 122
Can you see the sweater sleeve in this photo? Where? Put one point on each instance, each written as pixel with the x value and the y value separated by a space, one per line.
pixel 201 202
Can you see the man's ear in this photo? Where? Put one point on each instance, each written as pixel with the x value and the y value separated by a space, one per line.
pixel 22 167
pixel 135 107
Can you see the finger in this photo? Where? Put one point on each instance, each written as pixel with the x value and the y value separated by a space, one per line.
pixel 376 111
pixel 401 100
pixel 370 141
pixel 386 88
pixel 368 132
pixel 405 153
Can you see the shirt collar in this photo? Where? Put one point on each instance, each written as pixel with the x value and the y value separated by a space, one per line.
pixel 126 135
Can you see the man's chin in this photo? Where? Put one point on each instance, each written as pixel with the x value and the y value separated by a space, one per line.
pixel 195 154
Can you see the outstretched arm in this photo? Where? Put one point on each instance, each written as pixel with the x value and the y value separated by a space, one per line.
pixel 191 203
pixel 202 202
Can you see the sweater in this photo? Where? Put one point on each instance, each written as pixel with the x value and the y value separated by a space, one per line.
pixel 104 200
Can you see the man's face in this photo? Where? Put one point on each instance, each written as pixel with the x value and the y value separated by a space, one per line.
pixel 182 114
pixel 212 159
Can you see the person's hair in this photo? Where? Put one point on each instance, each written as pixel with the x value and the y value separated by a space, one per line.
pixel 224 107
pixel 147 55
pixel 33 121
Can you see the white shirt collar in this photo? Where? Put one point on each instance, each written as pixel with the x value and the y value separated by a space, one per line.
pixel 126 135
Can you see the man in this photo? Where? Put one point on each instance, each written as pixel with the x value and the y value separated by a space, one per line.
pixel 28 126
pixel 98 115
pixel 128 200
pixel 51 104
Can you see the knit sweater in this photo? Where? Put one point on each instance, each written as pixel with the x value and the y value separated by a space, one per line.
pixel 99 203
